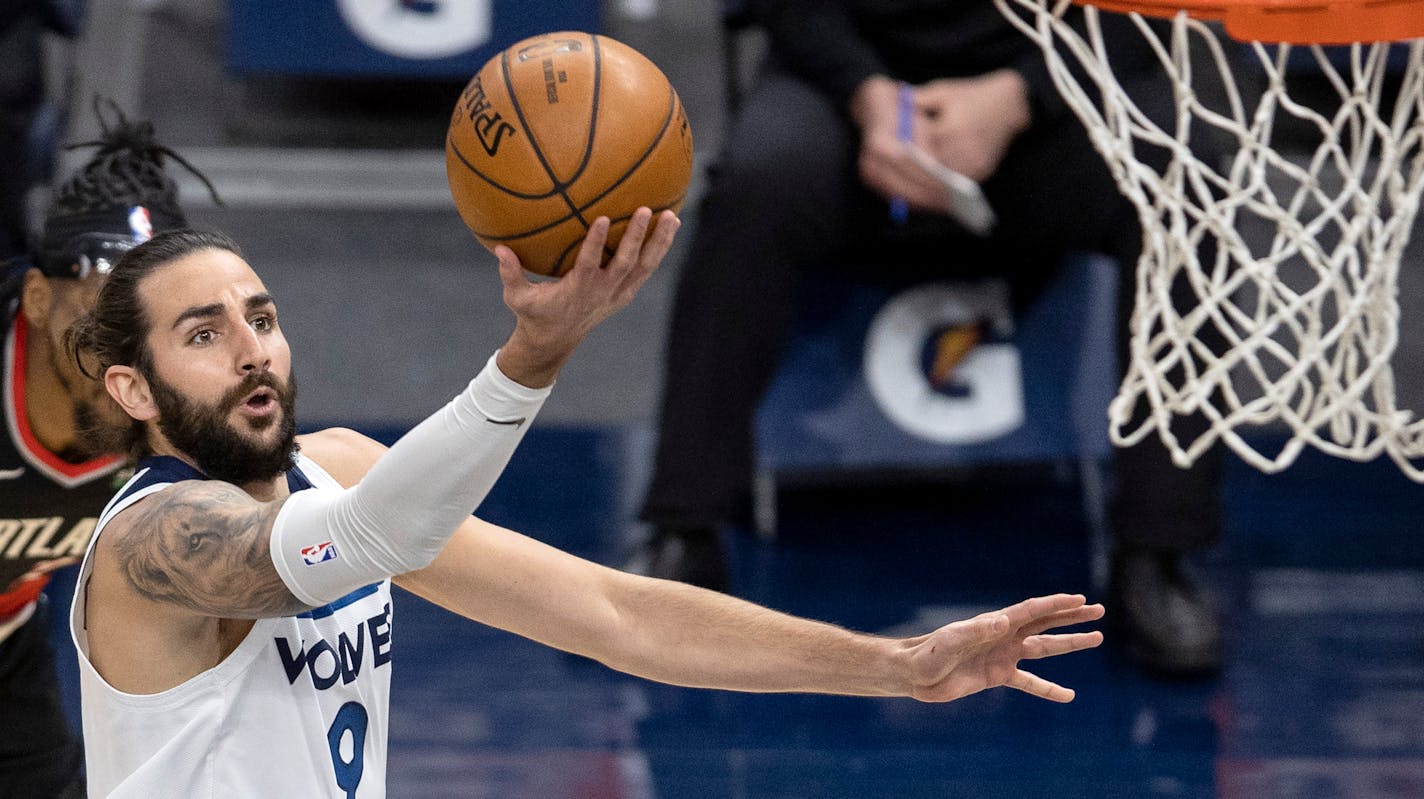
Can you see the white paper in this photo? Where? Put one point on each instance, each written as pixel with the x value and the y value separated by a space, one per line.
pixel 967 203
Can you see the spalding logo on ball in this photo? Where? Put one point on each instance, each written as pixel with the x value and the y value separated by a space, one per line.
pixel 558 130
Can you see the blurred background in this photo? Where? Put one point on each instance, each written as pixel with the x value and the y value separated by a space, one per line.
pixel 326 143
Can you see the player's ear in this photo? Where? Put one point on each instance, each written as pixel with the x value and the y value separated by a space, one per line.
pixel 131 391
pixel 36 298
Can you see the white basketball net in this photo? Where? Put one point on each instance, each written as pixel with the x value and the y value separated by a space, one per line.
pixel 1308 307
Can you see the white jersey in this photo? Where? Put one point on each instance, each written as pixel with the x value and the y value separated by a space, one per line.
pixel 299 708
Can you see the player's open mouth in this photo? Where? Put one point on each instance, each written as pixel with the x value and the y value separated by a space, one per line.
pixel 260 402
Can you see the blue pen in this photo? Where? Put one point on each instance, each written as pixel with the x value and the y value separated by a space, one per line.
pixel 899 209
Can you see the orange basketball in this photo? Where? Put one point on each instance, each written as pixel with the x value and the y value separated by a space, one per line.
pixel 556 131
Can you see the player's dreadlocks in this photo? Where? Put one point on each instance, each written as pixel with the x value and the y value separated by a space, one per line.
pixel 124 174
pixel 127 169
pixel 122 194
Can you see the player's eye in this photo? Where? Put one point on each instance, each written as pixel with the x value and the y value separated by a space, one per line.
pixel 203 337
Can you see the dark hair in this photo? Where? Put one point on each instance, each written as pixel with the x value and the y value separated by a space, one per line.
pixel 127 169
pixel 125 172
pixel 116 330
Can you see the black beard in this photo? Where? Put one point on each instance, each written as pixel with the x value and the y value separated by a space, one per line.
pixel 202 432
pixel 85 421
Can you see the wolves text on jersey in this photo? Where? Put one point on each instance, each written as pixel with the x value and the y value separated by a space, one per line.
pixel 327 661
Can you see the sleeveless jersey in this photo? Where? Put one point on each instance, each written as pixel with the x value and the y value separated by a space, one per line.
pixel 48 506
pixel 299 708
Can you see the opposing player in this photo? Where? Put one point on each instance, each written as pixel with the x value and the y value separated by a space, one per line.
pixel 233 613
pixel 53 481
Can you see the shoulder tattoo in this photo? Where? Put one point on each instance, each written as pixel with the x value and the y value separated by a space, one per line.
pixel 203 545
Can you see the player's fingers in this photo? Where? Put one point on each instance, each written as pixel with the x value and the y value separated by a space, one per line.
pixel 1040 607
pixel 655 247
pixel 590 255
pixel 1039 687
pixel 626 258
pixel 664 229
pixel 511 274
pixel 1063 618
pixel 1047 646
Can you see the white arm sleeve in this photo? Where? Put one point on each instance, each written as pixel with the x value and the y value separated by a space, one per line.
pixel 328 543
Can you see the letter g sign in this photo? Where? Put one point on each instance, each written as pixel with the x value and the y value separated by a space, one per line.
pixel 419 29
pixel 994 405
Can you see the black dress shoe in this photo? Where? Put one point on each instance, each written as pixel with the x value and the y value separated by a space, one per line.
pixel 1161 619
pixel 689 555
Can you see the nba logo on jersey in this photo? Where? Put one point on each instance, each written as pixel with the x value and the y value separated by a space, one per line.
pixel 316 553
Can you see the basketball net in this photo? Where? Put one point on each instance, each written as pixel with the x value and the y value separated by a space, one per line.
pixel 1308 307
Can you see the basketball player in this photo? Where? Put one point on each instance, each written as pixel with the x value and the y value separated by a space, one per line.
pixel 53 483
pixel 233 614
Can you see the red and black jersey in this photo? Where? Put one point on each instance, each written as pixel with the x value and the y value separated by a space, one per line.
pixel 48 506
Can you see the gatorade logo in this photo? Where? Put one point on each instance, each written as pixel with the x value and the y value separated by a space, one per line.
pixel 419 29
pixel 980 399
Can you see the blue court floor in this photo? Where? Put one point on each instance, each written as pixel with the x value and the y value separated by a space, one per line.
pixel 1320 580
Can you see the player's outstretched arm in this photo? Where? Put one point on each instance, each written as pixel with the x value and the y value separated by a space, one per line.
pixel 683 635
pixel 695 637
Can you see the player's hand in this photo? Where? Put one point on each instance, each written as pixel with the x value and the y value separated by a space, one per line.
pixel 969 656
pixel 967 124
pixel 37 570
pixel 552 317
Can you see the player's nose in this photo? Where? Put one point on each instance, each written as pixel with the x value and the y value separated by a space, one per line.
pixel 251 350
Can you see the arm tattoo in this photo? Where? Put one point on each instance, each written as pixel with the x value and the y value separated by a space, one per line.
pixel 203 545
